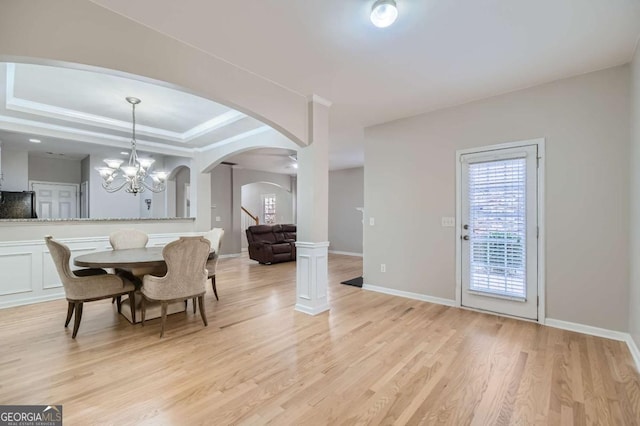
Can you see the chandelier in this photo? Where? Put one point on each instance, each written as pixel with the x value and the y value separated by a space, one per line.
pixel 136 176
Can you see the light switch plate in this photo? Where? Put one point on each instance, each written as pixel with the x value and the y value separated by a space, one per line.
pixel 372 221
pixel 448 222
pixel 218 219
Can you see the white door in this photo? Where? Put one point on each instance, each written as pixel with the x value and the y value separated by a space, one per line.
pixel 499 231
pixel 56 200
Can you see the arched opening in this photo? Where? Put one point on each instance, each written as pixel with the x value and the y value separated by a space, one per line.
pixel 153 57
pixel 179 192
pixel 266 203
pixel 250 179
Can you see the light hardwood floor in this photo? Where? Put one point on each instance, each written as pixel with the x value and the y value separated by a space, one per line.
pixel 373 359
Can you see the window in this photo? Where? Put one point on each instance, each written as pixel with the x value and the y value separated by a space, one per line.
pixel 497 220
pixel 269 208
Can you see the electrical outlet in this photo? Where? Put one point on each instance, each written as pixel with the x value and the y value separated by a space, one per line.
pixel 383 267
pixel 448 222
pixel 372 221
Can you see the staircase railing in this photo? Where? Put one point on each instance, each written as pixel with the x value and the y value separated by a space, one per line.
pixel 248 217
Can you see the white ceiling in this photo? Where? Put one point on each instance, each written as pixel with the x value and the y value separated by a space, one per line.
pixel 275 160
pixel 45 97
pixel 439 53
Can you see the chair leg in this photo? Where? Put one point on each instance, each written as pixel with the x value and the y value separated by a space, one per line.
pixel 202 312
pixel 164 318
pixel 213 283
pixel 132 305
pixel 69 313
pixel 143 308
pixel 78 318
pixel 119 303
pixel 194 305
pixel 113 300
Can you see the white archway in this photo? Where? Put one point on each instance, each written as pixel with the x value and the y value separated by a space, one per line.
pixel 84 35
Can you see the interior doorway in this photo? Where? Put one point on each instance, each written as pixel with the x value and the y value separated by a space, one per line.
pixel 56 200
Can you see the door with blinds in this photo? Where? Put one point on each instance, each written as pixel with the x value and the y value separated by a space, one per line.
pixel 499 231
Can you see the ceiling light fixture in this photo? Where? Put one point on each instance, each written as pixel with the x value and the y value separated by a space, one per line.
pixel 384 13
pixel 35 140
pixel 132 177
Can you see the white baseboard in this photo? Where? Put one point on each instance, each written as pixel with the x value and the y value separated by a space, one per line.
pixel 564 325
pixel 345 253
pixel 587 329
pixel 30 300
pixel 409 295
pixel 226 256
pixel 635 351
pixel 599 332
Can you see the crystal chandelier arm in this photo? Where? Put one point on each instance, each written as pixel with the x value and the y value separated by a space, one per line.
pixel 155 187
pixel 109 188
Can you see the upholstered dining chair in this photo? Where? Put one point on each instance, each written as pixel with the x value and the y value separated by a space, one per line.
pixel 186 277
pixel 215 239
pixel 130 238
pixel 80 289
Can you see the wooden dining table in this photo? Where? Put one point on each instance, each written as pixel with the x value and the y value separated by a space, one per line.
pixel 129 259
pixel 123 259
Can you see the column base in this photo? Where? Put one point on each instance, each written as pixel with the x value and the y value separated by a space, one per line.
pixel 311 277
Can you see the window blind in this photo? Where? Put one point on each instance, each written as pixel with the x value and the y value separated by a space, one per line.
pixel 497 227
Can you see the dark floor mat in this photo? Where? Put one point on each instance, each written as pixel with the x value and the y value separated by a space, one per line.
pixel 356 282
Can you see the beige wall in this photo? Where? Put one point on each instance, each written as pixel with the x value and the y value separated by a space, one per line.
pixel 634 286
pixel 410 185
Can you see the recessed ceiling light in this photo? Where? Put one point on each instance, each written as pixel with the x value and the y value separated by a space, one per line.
pixel 124 153
pixel 35 140
pixel 384 13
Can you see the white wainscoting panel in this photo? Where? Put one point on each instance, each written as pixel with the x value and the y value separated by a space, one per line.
pixel 28 274
pixel 17 271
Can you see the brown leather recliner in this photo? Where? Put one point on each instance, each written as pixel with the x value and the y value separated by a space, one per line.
pixel 272 243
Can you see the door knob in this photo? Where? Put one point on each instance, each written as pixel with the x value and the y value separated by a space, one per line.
pixel 466 237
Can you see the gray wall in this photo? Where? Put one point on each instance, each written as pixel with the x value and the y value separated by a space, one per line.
pixel 105 205
pixel 183 177
pixel 634 286
pixel 221 204
pixel 346 193
pixel 410 185
pixel 85 169
pixel 54 170
pixel 15 170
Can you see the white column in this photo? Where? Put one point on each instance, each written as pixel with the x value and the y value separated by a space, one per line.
pixel 200 187
pixel 313 213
